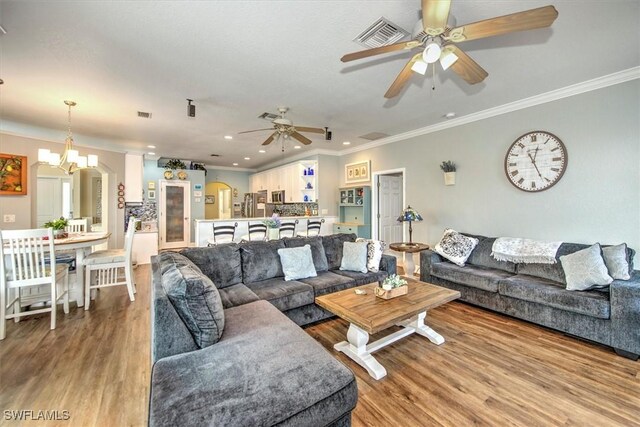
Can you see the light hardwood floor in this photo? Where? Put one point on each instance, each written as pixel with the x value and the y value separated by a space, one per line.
pixel 492 370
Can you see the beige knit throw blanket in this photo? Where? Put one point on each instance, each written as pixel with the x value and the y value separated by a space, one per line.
pixel 524 251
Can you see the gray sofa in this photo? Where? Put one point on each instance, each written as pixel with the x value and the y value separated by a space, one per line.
pixel 536 293
pixel 265 370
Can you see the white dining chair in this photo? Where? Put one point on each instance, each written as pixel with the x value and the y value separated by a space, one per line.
pixel 107 264
pixel 23 264
pixel 77 225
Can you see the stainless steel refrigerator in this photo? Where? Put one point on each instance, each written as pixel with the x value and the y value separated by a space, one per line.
pixel 254 205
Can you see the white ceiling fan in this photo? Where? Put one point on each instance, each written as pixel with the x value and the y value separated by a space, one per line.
pixel 283 127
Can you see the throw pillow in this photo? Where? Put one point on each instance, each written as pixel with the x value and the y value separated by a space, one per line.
pixel 297 263
pixel 375 248
pixel 585 269
pixel 615 258
pixel 317 249
pixel 197 302
pixel 354 256
pixel 455 247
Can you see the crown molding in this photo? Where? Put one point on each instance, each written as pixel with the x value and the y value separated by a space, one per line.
pixel 554 95
pixel 230 168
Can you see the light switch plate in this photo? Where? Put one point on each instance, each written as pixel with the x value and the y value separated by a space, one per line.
pixel 9 218
pixel 325 211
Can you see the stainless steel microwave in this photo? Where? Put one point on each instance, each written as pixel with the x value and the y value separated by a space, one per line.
pixel 277 196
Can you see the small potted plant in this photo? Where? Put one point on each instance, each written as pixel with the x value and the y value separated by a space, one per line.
pixel 273 227
pixel 58 226
pixel 393 286
pixel 175 164
pixel 449 169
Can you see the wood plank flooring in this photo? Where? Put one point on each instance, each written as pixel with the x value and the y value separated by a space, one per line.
pixel 492 370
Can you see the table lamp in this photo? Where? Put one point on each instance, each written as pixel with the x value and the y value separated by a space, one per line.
pixel 409 214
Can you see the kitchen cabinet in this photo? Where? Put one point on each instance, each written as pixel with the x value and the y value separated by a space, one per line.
pixel 354 211
pixel 133 168
pixel 296 179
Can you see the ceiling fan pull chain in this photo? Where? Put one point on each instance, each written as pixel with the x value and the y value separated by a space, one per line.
pixel 433 77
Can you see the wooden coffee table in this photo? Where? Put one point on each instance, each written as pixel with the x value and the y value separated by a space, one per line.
pixel 369 314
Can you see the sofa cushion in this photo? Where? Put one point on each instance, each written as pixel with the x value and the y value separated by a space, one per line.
pixel 455 247
pixel 260 260
pixel 477 277
pixel 297 263
pixel 333 248
pixel 363 278
pixel 375 250
pixel 317 250
pixel 197 301
pixel 585 269
pixel 354 257
pixel 220 263
pixel 284 295
pixel 327 282
pixel 551 272
pixel 481 255
pixel 615 258
pixel 168 259
pixel 553 294
pixel 265 371
pixel 237 294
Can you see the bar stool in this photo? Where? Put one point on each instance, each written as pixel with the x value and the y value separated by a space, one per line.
pixel 313 228
pixel 288 229
pixel 257 232
pixel 222 234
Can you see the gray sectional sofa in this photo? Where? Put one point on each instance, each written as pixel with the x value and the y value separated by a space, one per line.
pixel 536 293
pixel 265 370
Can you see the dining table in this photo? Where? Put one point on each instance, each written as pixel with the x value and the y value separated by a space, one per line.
pixel 81 243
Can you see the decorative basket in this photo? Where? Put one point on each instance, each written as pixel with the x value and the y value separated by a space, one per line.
pixel 395 292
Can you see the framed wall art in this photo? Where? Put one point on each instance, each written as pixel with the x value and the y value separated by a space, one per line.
pixel 151 194
pixel 357 172
pixel 209 200
pixel 13 175
pixel 151 185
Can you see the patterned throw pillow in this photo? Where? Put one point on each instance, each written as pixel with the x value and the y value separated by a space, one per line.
pixel 455 247
pixel 375 248
pixel 615 258
pixel 585 269
pixel 354 257
pixel 297 263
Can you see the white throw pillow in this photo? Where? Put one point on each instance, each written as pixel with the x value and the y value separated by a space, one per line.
pixel 375 248
pixel 297 263
pixel 615 258
pixel 585 269
pixel 455 247
pixel 354 256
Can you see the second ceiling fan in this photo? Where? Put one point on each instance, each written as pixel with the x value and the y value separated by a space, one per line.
pixel 284 128
pixel 437 38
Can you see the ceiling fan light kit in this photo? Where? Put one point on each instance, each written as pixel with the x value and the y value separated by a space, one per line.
pixel 438 33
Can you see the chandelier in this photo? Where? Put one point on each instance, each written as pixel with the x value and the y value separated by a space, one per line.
pixel 70 160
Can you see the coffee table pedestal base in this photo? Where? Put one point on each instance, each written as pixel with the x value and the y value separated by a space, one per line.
pixel 356 347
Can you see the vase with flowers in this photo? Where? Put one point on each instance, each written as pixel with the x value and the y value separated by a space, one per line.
pixel 273 227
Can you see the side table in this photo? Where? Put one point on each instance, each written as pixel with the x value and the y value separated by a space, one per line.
pixel 408 249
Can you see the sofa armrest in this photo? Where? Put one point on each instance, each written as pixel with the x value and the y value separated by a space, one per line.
pixel 427 259
pixel 388 264
pixel 625 314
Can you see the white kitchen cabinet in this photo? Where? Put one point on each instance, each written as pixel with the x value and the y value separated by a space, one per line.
pixel 133 168
pixel 291 178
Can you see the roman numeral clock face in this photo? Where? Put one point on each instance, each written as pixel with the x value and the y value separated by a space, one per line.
pixel 536 161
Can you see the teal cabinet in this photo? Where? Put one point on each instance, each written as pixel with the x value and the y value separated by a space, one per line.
pixel 354 209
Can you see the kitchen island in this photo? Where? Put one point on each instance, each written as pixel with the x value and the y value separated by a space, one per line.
pixel 204 227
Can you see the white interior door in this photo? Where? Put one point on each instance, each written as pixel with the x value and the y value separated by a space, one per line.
pixel 55 199
pixel 175 214
pixel 389 208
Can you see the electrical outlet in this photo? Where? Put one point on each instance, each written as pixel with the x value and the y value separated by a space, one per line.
pixel 325 211
pixel 9 218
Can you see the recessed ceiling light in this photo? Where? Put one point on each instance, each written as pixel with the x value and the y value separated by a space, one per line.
pixel 151 153
pixel 151 146
pixel 450 115
pixel 346 143
pixel 228 137
pixel 297 147
pixel 261 151
pixel 235 164
pixel 247 158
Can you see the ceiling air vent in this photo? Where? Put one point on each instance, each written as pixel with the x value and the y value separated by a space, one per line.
pixel 374 135
pixel 144 115
pixel 268 116
pixel 381 33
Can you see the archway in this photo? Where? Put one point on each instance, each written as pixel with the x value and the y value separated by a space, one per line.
pixel 217 200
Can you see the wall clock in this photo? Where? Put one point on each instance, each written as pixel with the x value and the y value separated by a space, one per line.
pixel 536 161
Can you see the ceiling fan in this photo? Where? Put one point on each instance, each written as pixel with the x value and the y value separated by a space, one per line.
pixel 284 128
pixel 436 34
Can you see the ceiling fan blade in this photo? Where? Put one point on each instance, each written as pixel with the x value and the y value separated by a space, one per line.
pixel 303 139
pixel 435 14
pixel 520 21
pixel 270 139
pixel 307 129
pixel 402 78
pixel 380 50
pixel 256 130
pixel 466 67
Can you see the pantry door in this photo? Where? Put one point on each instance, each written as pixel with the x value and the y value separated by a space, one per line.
pixel 175 214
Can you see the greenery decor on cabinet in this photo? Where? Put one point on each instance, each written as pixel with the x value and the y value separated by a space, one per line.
pixel 199 167
pixel 449 169
pixel 175 164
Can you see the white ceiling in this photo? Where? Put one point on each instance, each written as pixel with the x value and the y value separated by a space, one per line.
pixel 238 59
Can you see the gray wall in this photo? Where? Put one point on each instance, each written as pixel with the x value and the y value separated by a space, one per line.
pixel 597 200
